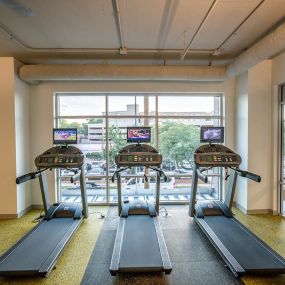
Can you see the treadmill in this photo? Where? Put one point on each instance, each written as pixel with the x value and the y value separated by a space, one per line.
pixel 242 251
pixel 38 251
pixel 139 244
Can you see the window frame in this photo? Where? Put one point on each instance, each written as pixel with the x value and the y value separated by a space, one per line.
pixel 106 117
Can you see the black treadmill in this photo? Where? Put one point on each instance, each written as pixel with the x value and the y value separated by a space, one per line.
pixel 38 251
pixel 139 244
pixel 242 251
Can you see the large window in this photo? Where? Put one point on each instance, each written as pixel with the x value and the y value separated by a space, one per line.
pixel 102 119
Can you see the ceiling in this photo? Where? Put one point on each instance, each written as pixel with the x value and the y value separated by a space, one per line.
pixel 163 32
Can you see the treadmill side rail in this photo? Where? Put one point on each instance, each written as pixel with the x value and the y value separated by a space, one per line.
pixel 263 244
pixel 15 262
pixel 230 261
pixel 114 267
pixel 162 246
pixel 50 262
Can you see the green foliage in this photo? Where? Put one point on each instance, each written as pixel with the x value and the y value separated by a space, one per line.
pixel 94 155
pixel 178 141
pixel 82 128
pixel 117 141
pixel 64 124
pixel 95 121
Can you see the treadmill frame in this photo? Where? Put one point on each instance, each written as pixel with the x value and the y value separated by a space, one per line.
pixel 226 255
pixel 47 266
pixel 228 258
pixel 51 258
pixel 115 262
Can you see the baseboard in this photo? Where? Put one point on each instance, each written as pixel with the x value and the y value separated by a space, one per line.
pixel 259 211
pixel 8 216
pixel 20 214
pixel 23 212
pixel 37 207
pixel 253 212
pixel 238 206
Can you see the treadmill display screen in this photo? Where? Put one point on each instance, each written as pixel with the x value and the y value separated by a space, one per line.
pixel 65 136
pixel 138 134
pixel 212 134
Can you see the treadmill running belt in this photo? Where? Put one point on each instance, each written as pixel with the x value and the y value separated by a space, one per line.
pixel 140 249
pixel 33 251
pixel 251 254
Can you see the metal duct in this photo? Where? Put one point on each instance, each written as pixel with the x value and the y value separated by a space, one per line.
pixel 35 74
pixel 266 48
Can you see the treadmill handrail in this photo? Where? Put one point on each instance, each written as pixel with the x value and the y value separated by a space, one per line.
pixel 248 175
pixel 117 172
pixel 75 177
pixel 160 172
pixel 29 176
pixel 202 176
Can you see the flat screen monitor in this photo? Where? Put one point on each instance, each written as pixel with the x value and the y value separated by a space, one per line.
pixel 138 134
pixel 65 136
pixel 212 134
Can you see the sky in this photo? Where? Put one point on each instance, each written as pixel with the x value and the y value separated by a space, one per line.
pixel 95 105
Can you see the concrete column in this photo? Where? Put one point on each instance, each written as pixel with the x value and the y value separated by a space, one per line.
pixel 8 191
pixel 254 136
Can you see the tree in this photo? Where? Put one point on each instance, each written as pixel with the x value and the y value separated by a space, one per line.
pixel 95 121
pixel 82 128
pixel 94 155
pixel 64 124
pixel 117 142
pixel 178 141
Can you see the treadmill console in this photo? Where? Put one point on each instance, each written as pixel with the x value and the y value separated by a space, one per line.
pixel 216 155
pixel 60 157
pixel 138 155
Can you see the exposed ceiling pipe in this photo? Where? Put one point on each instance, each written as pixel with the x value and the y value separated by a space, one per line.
pixel 199 28
pixel 35 74
pixel 266 48
pixel 28 48
pixel 235 30
pixel 115 5
pixel 168 15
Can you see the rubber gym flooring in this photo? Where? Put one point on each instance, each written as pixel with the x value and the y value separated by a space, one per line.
pixel 194 259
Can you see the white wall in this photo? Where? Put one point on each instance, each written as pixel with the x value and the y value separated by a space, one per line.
pixel 278 78
pixel 254 136
pixel 242 135
pixel 251 127
pixel 259 134
pixel 15 146
pixel 22 132
pixel 41 107
pixel 245 125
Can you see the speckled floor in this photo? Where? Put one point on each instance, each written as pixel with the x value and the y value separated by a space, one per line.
pixel 72 264
pixel 270 229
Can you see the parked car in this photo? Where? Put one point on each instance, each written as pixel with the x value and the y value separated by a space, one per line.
pixel 95 163
pixel 138 183
pixel 168 165
pixel 112 170
pixel 181 171
pixel 67 172
pixel 186 165
pixel 88 166
pixel 95 171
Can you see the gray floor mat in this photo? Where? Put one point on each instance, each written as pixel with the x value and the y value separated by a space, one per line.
pixel 193 258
